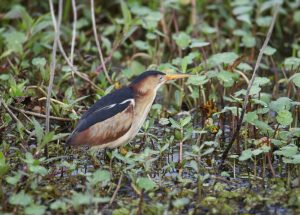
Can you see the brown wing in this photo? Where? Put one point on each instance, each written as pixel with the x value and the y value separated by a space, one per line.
pixel 107 130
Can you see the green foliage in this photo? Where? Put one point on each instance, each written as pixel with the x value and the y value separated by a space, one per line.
pixel 3 165
pixel 217 44
pixel 146 184
pixel 20 198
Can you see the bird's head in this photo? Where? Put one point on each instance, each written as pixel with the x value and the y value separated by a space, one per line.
pixel 150 81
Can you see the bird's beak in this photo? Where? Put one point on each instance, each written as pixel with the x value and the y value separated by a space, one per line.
pixel 176 76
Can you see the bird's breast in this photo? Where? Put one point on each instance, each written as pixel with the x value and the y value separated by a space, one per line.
pixel 141 110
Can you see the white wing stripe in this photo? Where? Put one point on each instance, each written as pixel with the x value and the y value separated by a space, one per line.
pixel 127 100
pixel 113 105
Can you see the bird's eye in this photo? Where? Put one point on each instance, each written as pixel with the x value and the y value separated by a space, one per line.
pixel 161 78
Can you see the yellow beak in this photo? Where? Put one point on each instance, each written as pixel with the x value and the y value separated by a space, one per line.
pixel 176 76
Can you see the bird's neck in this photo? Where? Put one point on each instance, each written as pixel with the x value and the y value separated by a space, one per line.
pixel 144 98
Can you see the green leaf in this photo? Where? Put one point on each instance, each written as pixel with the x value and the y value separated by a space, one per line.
pixel 3 166
pixel 179 203
pixel 251 117
pixel 245 18
pixel 222 58
pixel 256 152
pixel 292 62
pixel 242 10
pixel 206 29
pixel 39 133
pixel 249 41
pixel 282 103
pixel 14 41
pixel 13 180
pixel 194 165
pixel 297 16
pixel 59 204
pixel 287 151
pixel 141 45
pixel 164 121
pixel 4 77
pixel 227 78
pixel 196 44
pixel 102 176
pixel 39 62
pixel 296 79
pixel 20 198
pixel 81 199
pixel 185 121
pixel 174 123
pixel 121 211
pixel 225 174
pixel 263 127
pixel 126 15
pixel 208 151
pixel 261 81
pixel 245 67
pixel 182 39
pixel 35 210
pixel 197 80
pixel 135 68
pixel 150 21
pixel 269 51
pixel 284 117
pixel 146 183
pixel 246 154
pixel 234 110
pixel 296 159
pixel 48 137
pixel 37 169
pixel 19 12
pixel 264 21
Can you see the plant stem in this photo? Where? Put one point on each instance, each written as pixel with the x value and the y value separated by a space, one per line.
pixel 53 62
pixel 245 104
pixel 98 43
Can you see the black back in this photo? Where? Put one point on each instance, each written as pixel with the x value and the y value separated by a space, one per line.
pixel 97 112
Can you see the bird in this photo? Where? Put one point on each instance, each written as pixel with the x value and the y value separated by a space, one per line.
pixel 116 118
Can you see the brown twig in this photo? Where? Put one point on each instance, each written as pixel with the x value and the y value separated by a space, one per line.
pixel 73 31
pixel 98 43
pixel 74 69
pixel 56 26
pixel 140 208
pixel 180 157
pixel 69 61
pixel 12 114
pixel 40 115
pixel 245 104
pixel 116 190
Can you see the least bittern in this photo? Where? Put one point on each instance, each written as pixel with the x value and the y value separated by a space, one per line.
pixel 116 118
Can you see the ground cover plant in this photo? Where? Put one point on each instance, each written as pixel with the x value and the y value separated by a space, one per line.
pixel 210 145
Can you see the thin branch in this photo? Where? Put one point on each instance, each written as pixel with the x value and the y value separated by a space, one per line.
pixel 245 104
pixel 116 190
pixel 74 69
pixel 9 111
pixel 53 62
pixel 12 114
pixel 70 64
pixel 74 31
pixel 40 115
pixel 98 43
